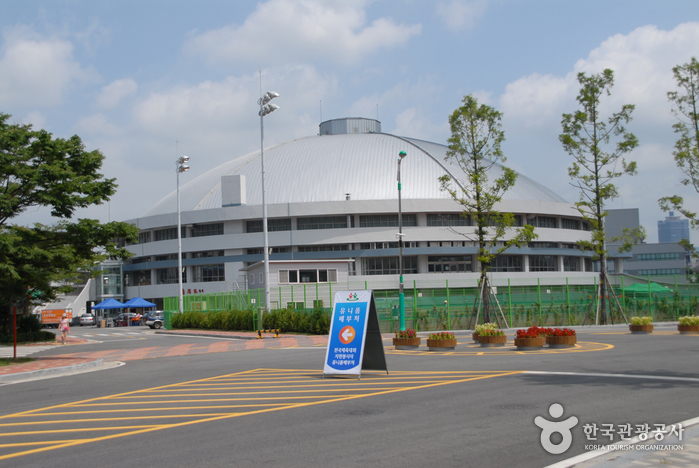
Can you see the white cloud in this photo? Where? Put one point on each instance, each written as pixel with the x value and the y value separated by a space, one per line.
pixel 412 104
pixel 36 119
pixel 112 94
pixel 535 99
pixel 460 14
pixel 642 62
pixel 294 31
pixel 97 124
pixel 218 119
pixel 412 123
pixel 36 71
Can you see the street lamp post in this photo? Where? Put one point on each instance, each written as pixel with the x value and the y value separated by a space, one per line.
pixel 265 108
pixel 180 167
pixel 401 294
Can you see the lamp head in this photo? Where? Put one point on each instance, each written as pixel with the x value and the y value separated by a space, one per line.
pixel 268 96
pixel 267 109
pixel 402 154
pixel 182 168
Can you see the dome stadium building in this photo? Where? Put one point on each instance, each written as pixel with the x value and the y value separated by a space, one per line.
pixel 332 204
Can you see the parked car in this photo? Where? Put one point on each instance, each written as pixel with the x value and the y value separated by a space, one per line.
pixel 87 319
pixel 145 315
pixel 155 319
pixel 121 319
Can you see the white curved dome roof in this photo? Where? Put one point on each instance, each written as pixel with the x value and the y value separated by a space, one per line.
pixel 327 167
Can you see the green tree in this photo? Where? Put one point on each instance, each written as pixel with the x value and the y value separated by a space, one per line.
pixel 37 170
pixel 475 146
pixel 597 161
pixel 686 152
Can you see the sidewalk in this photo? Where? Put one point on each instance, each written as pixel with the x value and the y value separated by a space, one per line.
pixel 74 361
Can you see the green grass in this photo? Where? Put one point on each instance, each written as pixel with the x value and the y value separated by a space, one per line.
pixel 11 361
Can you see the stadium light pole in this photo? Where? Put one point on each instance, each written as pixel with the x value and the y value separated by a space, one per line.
pixel 180 167
pixel 400 235
pixel 265 109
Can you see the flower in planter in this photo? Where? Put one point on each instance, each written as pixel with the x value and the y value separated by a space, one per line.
pixel 562 332
pixel 407 333
pixel 491 332
pixel 442 336
pixel 480 329
pixel 534 332
pixel 641 320
pixel 688 320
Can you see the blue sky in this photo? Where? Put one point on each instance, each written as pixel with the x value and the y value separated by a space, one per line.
pixel 132 78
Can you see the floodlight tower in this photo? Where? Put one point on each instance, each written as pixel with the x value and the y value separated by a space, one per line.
pixel 265 109
pixel 180 167
pixel 400 235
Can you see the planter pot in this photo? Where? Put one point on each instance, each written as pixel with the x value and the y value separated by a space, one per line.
pixel 489 341
pixel 441 345
pixel 530 344
pixel 475 338
pixel 561 341
pixel 405 344
pixel 641 329
pixel 688 329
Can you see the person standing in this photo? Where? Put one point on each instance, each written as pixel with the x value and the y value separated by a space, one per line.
pixel 64 327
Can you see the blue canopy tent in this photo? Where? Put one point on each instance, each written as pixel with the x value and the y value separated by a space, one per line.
pixel 110 303
pixel 138 302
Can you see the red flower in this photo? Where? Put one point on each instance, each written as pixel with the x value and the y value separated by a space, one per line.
pixel 407 333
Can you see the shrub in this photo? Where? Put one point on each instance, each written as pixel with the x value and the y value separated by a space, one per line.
pixel 28 324
pixel 286 320
pixel 491 332
pixel 641 320
pixel 689 320
pixel 28 337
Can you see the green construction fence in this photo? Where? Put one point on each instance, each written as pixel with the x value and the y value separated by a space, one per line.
pixel 452 308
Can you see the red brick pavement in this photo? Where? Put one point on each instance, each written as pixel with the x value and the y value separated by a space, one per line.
pixel 70 359
pixel 44 363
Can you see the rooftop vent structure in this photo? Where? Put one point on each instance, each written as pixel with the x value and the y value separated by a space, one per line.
pixel 350 125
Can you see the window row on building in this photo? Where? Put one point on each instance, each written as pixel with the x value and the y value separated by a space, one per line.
pixel 343 247
pixel 308 275
pixel 660 272
pixel 197 230
pixel 379 266
pixel 341 222
pixel 651 257
pixel 466 264
pixel 200 274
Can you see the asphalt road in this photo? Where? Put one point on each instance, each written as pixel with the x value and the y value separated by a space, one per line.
pixel 272 407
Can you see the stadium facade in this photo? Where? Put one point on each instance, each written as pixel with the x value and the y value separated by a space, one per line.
pixel 332 205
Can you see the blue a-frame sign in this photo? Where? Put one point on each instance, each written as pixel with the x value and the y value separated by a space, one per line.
pixel 354 343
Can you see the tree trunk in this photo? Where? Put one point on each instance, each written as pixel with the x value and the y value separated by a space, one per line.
pixel 603 290
pixel 486 296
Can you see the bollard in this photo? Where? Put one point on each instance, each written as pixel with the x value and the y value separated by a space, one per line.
pixel 259 335
pixel 276 335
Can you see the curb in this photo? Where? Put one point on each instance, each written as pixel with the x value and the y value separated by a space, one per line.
pixel 50 372
pixel 209 335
